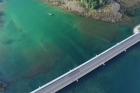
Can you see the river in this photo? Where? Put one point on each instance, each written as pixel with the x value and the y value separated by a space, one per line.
pixel 35 48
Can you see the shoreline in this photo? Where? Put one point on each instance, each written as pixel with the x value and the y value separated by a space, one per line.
pixel 111 12
pixel 108 13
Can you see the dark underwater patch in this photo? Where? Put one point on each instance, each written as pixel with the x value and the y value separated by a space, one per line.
pixel 1 14
pixel 10 41
pixel 1 1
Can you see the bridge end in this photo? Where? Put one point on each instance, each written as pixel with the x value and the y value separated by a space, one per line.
pixel 136 29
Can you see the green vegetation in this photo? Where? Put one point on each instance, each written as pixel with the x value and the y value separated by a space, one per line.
pixel 139 28
pixel 92 4
pixel 130 12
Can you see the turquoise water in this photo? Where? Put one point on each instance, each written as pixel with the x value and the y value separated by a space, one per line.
pixel 36 48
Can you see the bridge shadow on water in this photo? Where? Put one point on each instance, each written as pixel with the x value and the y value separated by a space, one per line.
pixel 101 77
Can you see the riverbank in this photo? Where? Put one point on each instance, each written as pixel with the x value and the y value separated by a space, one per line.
pixel 112 11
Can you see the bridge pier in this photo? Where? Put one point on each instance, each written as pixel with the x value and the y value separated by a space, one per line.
pixel 103 63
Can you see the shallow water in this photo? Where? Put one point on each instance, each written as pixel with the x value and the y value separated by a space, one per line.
pixel 36 48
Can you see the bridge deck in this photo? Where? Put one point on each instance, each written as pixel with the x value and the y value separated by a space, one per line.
pixel 88 66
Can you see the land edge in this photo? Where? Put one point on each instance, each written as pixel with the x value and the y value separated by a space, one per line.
pixel 111 12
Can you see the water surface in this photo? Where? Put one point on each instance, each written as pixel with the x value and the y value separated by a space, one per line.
pixel 35 48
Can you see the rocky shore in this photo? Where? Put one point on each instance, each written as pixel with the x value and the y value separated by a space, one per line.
pixel 112 11
pixel 2 86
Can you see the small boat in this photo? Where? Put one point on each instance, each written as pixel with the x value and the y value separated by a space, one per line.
pixel 49 13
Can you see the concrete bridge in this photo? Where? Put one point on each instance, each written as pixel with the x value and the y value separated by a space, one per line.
pixel 83 69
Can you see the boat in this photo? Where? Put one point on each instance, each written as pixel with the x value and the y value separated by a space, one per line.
pixel 49 13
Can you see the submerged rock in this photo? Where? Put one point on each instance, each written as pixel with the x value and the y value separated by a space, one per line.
pixel 2 86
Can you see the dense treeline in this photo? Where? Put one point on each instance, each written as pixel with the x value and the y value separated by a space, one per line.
pixel 94 4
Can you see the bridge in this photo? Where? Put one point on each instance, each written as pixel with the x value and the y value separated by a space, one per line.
pixel 83 69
